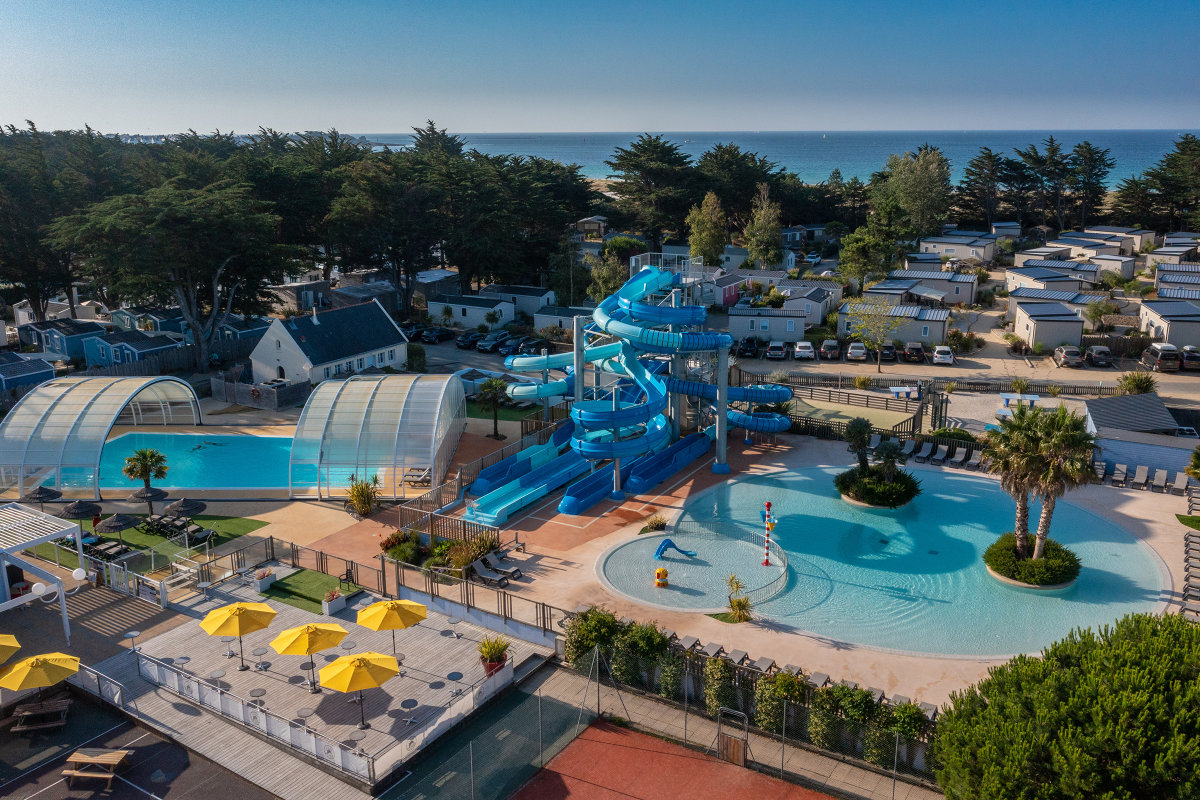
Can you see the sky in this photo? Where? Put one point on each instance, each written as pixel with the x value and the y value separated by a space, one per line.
pixel 170 65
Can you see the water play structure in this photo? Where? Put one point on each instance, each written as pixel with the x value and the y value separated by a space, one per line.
pixel 667 544
pixel 624 431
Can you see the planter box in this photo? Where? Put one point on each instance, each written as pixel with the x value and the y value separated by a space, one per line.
pixel 331 607
pixel 261 584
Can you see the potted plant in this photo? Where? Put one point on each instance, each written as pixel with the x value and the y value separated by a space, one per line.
pixel 493 651
pixel 334 602
pixel 263 578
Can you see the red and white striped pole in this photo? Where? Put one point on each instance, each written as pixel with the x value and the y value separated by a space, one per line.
pixel 769 524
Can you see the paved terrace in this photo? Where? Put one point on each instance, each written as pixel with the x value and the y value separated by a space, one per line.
pixel 440 663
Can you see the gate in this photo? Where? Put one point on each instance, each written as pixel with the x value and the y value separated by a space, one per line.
pixel 732 744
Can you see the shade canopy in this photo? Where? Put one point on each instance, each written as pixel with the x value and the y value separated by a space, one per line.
pixel 117 523
pixel 308 639
pixel 80 509
pixel 186 507
pixel 38 671
pixel 237 619
pixel 151 495
pixel 391 615
pixel 8 646
pixel 42 494
pixel 360 671
pixel 57 432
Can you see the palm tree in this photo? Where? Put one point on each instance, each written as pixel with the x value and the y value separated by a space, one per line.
pixel 1064 463
pixel 490 395
pixel 1137 383
pixel 1012 453
pixel 858 436
pixel 1193 469
pixel 143 465
pixel 889 455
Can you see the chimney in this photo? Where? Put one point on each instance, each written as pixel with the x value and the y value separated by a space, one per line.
pixel 314 316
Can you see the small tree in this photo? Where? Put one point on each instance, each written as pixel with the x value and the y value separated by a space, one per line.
pixel 1193 469
pixel 739 604
pixel 890 457
pixel 491 317
pixel 1097 311
pixel 858 436
pixel 490 395
pixel 764 233
pixel 416 357
pixel 363 495
pixel 608 275
pixel 872 322
pixel 447 314
pixel 144 465
pixel 708 229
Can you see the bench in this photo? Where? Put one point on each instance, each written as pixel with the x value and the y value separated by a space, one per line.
pixel 28 716
pixel 107 777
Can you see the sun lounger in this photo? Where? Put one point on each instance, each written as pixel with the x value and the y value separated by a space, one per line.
pixel 712 649
pixel 909 447
pixel 875 440
pixel 494 563
pixel 688 642
pixel 1118 476
pixel 817 680
pixel 1140 476
pixel 488 576
pixel 1181 482
pixel 923 453
pixel 737 656
pixel 876 694
pixel 940 456
pixel 1160 480
pixel 930 710
pixel 959 457
pixel 1191 608
pixel 898 700
pixel 1101 469
pixel 975 460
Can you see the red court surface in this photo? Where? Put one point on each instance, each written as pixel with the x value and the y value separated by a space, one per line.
pixel 607 762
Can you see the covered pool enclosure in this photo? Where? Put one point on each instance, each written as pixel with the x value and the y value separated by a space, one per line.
pixel 401 428
pixel 55 435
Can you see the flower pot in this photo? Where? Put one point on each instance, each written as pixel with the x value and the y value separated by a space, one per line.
pixel 331 607
pixel 490 668
pixel 261 584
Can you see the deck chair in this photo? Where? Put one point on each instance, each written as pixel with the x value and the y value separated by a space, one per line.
pixel 923 454
pixel 940 456
pixel 1160 480
pixel 975 460
pixel 875 440
pixel 959 457
pixel 494 563
pixel 1181 482
pixel 488 576
pixel 1140 477
pixel 909 447
pixel 1101 469
pixel 1118 476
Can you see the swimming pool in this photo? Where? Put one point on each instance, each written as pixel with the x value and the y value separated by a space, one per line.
pixel 911 579
pixel 203 461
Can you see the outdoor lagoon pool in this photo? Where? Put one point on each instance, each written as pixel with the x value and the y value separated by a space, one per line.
pixel 911 579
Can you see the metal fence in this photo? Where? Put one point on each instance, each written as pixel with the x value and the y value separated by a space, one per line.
pixel 757 594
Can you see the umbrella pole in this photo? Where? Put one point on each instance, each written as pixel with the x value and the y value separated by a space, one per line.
pixel 241 656
pixel 362 715
pixel 393 641
pixel 312 674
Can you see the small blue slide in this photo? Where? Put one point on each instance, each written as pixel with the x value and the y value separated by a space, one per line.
pixel 666 545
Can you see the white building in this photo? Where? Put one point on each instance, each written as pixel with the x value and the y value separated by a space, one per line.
pixel 1040 278
pixel 1078 302
pixel 954 287
pixel 1006 230
pixel 1176 322
pixel 330 344
pixel 526 299
pixel 1138 237
pixel 1086 248
pixel 983 249
pixel 786 324
pixel 1172 254
pixel 1048 324
pixel 918 324
pixel 1041 254
pixel 471 311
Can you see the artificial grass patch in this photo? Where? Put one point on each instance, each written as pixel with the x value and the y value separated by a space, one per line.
pixel 724 616
pixel 511 414
pixel 306 588
pixel 225 529
pixel 1191 522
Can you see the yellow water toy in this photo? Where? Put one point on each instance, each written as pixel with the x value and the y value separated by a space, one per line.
pixel 660 577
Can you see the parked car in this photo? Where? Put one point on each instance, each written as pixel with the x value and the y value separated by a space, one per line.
pixel 887 352
pixel 857 351
pixel 777 350
pixel 468 340
pixel 831 350
pixel 914 352
pixel 943 355
pixel 1068 356
pixel 534 346
pixel 805 351
pixel 749 347
pixel 813 258
pixel 1098 356
pixel 413 330
pixel 435 335
pixel 1161 357
pixel 1189 357
pixel 493 340
pixel 512 345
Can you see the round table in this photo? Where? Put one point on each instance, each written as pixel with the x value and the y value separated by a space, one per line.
pixel 259 651
pixel 454 620
pixel 454 676
pixel 349 645
pixel 357 736
pixel 306 665
pixel 217 674
pixel 257 692
pixel 228 642
pixel 305 713
pixel 399 658
pixel 182 660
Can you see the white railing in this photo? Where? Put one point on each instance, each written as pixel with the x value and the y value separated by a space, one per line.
pixel 99 684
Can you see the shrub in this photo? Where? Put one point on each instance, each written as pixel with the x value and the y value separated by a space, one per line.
pixel 587 630
pixel 493 648
pixel 670 676
pixel 871 488
pixel 416 358
pixel 1039 349
pixel 908 720
pixel 1057 564
pixel 1020 385
pixel 636 649
pixel 363 495
pixel 1137 383
pixel 739 609
pixel 405 551
pixel 1054 390
pixel 950 387
pixel 656 522
pixel 1113 714
pixel 780 376
pixel 823 725
pixel 718 685
pixel 879 740
pixel 958 434
pixel 768 705
pixel 332 594
pixel 862 381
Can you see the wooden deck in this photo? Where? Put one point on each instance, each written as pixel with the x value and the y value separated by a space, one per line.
pixel 440 662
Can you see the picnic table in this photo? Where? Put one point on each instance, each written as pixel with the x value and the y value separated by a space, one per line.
pixel 1008 398
pixel 95 762
pixel 907 391
pixel 36 716
pixel 1003 413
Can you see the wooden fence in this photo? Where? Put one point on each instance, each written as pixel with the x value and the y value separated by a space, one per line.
pixel 1121 346
pixel 270 398
pixel 883 383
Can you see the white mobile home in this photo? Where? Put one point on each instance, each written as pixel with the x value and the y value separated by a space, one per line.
pixel 919 324
pixel 1138 237
pixel 1086 248
pixel 525 299
pixel 1176 322
pixel 1041 254
pixel 470 311
pixel 1173 254
pixel 1040 278
pixel 1048 324
pixel 983 249
pixel 1078 302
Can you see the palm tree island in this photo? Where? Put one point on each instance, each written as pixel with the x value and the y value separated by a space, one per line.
pixel 1040 454
pixel 883 483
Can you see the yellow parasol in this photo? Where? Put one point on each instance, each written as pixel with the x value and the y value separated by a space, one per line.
pixel 357 672
pixel 8 646
pixel 38 671
pixel 391 615
pixel 308 639
pixel 237 619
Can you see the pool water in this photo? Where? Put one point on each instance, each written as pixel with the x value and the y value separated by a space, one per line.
pixel 203 461
pixel 913 579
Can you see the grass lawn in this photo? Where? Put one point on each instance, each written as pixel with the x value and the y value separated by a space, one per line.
pixel 724 616
pixel 305 589
pixel 474 410
pixel 1191 522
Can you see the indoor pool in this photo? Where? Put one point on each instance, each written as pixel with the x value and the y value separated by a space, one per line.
pixel 911 579
pixel 203 461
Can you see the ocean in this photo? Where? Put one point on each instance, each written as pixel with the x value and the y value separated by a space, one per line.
pixel 813 154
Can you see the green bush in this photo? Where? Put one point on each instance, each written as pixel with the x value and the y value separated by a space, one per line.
pixel 768 705
pixel 1112 713
pixel 670 676
pixel 1057 564
pixel 416 358
pixel 958 434
pixel 406 551
pixel 823 723
pixel 879 740
pixel 635 651
pixel 871 488
pixel 593 627
pixel 908 720
pixel 718 685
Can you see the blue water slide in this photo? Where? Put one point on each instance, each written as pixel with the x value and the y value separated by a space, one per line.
pixel 495 507
pixel 586 492
pixel 513 467
pixel 759 422
pixel 616 317
pixel 653 469
pixel 539 391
